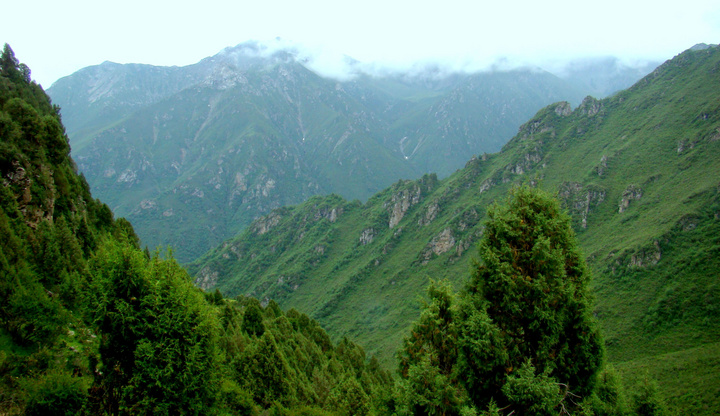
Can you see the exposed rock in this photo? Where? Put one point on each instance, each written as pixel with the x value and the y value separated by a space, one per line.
pixel 147 204
pixel 32 211
pixel 688 222
pixel 463 245
pixel 402 201
pixel 441 243
pixel 266 223
pixel 646 257
pixel 206 278
pixel 581 200
pixel 590 106
pixel 631 193
pixel 328 214
pixel 528 161
pixel 240 182
pixel 602 167
pixel 367 236
pixel 128 175
pixel 684 144
pixel 563 109
pixel 486 185
pixel 716 136
pixel 430 214
pixel 269 186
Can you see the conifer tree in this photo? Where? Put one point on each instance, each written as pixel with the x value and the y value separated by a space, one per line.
pixel 528 302
pixel 521 335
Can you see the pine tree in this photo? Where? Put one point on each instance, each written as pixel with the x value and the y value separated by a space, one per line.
pixel 528 301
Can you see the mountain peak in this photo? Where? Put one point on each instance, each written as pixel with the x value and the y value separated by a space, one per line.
pixel 702 47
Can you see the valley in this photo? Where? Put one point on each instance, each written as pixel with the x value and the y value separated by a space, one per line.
pixel 636 171
pixel 192 155
pixel 341 254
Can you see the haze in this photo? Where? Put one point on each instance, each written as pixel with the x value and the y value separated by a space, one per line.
pixel 56 39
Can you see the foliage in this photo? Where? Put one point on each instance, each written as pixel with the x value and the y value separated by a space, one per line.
pixel 252 320
pixel 531 394
pixel 56 394
pixel 526 306
pixel 655 266
pixel 91 324
pixel 533 286
pixel 647 400
pixel 653 147
pixel 158 347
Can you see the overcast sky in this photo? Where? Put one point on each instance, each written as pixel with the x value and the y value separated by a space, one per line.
pixel 56 38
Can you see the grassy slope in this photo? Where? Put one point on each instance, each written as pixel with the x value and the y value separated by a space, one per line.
pixel 655 264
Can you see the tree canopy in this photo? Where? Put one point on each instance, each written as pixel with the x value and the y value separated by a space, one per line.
pixel 524 317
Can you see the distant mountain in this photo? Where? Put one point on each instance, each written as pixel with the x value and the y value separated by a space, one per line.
pixel 638 173
pixel 604 76
pixel 90 324
pixel 191 155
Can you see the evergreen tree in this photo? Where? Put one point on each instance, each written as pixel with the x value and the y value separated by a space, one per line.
pixel 520 330
pixel 435 334
pixel 528 301
pixel 253 319
pixel 158 337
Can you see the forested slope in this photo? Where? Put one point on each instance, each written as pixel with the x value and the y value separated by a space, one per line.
pixel 636 171
pixel 91 324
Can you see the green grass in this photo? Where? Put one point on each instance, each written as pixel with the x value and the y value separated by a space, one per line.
pixel 655 265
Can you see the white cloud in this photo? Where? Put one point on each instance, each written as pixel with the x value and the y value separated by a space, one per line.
pixel 57 38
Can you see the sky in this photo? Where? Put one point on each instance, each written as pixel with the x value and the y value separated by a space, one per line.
pixel 56 38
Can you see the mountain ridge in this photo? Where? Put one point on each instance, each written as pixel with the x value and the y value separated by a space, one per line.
pixel 636 172
pixel 294 130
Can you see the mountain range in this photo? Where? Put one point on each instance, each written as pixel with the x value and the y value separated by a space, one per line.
pixel 637 173
pixel 191 155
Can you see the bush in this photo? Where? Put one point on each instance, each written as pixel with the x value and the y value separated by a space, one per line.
pixel 55 394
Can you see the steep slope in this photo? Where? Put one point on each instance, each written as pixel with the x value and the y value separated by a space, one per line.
pixel 604 76
pixel 637 172
pixel 479 115
pixel 102 95
pixel 90 324
pixel 217 155
pixel 212 146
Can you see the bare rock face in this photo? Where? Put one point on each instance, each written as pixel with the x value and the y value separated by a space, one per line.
pixel 206 279
pixel 367 236
pixel 266 223
pixel 590 106
pixel 328 214
pixel 632 193
pixel 646 257
pixel 563 109
pixel 33 210
pixel 602 167
pixel 580 200
pixel 402 201
pixel 430 214
pixel 441 243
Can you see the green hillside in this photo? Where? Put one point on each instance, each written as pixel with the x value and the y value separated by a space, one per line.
pixel 92 325
pixel 638 173
pixel 192 155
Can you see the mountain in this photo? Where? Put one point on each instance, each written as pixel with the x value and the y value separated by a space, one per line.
pixel 90 324
pixel 191 155
pixel 636 171
pixel 604 76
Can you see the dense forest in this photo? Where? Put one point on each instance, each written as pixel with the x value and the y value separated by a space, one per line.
pixel 93 324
